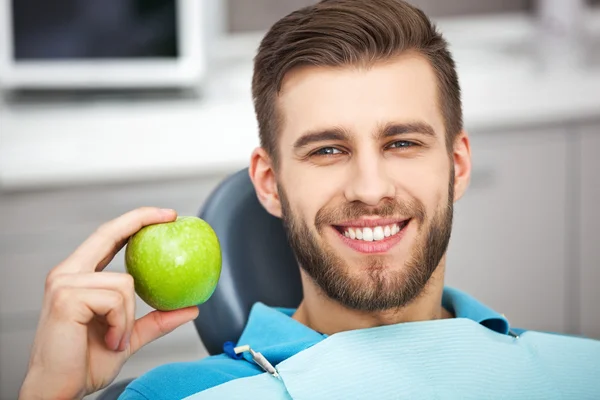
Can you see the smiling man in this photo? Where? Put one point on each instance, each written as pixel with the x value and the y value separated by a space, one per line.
pixel 362 156
pixel 369 212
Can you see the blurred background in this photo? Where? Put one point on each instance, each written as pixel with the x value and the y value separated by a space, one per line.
pixel 108 106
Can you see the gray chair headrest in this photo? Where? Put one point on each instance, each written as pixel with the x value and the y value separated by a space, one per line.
pixel 258 263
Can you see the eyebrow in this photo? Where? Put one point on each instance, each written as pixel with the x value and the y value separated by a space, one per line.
pixel 339 134
pixel 333 134
pixel 394 129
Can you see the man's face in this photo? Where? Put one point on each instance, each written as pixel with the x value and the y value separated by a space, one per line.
pixel 365 179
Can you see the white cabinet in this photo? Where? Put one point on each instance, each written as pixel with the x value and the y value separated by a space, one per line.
pixel 508 245
pixel 589 233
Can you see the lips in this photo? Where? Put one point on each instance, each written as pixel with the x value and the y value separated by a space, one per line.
pixel 374 233
pixel 372 236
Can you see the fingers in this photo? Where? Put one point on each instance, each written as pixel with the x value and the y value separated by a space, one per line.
pixel 81 305
pixel 80 297
pixel 97 251
pixel 67 288
pixel 157 324
pixel 112 307
pixel 129 312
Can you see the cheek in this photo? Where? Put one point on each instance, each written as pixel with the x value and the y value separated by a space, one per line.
pixel 425 179
pixel 308 191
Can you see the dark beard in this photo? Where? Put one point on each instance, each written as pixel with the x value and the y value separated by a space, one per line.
pixel 380 290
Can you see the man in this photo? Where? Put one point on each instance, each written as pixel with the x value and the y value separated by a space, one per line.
pixel 362 155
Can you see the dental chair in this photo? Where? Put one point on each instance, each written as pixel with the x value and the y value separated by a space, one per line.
pixel 258 265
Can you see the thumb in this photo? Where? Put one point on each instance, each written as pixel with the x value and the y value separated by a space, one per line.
pixel 157 324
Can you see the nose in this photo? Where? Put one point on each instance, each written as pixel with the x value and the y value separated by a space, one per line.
pixel 369 183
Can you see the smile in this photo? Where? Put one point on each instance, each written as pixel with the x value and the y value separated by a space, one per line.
pixel 375 233
pixel 368 236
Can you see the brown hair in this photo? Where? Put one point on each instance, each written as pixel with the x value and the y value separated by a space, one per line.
pixel 340 33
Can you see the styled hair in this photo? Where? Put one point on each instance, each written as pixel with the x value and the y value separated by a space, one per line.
pixel 339 33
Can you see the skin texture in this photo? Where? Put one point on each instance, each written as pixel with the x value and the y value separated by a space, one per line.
pixel 176 264
pixel 366 176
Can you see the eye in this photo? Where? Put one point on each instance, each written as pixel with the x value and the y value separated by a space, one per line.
pixel 401 144
pixel 327 151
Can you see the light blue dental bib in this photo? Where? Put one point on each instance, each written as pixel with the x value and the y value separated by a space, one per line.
pixel 444 359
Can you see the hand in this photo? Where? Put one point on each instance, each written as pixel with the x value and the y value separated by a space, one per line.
pixel 87 327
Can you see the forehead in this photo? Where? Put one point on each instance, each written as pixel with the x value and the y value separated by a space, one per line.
pixel 359 100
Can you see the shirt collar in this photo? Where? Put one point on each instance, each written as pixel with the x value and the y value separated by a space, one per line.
pixel 462 305
pixel 274 333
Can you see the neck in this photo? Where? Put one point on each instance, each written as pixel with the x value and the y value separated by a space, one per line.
pixel 324 315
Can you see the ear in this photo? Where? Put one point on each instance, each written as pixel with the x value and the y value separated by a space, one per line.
pixel 461 156
pixel 263 177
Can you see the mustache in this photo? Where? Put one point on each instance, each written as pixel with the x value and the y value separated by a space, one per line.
pixel 391 208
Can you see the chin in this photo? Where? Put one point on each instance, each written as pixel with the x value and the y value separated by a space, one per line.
pixel 382 266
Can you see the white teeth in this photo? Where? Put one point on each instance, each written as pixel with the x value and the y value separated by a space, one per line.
pixel 372 234
pixel 378 233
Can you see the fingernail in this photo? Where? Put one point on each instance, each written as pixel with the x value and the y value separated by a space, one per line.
pixel 167 211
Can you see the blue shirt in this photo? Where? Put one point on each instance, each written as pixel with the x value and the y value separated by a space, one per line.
pixel 272 332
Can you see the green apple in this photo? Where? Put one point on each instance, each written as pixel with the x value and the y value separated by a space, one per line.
pixel 175 264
